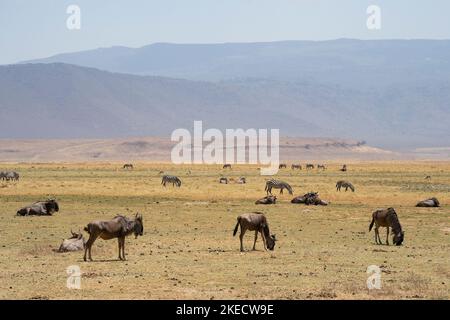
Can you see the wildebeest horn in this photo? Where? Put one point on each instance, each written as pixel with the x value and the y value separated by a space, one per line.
pixel 72 232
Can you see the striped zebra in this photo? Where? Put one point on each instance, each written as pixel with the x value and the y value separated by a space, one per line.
pixel 277 184
pixel 344 184
pixel 171 179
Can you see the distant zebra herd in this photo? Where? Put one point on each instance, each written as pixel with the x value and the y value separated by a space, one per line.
pixel 9 176
pixel 120 226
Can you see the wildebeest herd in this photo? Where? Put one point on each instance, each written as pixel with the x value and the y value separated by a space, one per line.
pixel 121 226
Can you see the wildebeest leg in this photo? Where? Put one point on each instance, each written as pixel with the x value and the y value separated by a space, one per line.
pixel 256 237
pixel 387 236
pixel 241 238
pixel 123 248
pixel 264 238
pixel 376 234
pixel 89 244
pixel 119 242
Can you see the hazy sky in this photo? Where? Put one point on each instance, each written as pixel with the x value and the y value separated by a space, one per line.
pixel 36 29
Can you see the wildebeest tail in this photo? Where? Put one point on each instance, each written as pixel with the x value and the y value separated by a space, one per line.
pixel 237 226
pixel 371 224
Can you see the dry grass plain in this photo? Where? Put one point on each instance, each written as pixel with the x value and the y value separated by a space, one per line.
pixel 188 251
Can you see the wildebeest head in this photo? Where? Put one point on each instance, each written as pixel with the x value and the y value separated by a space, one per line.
pixel 398 238
pixel 139 225
pixel 52 205
pixel 270 242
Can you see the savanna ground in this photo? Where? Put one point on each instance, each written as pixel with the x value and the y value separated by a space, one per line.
pixel 188 251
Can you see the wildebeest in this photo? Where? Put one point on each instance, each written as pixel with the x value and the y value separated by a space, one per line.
pixel 257 222
pixel 74 243
pixel 282 166
pixel 344 184
pixel 40 208
pixel 321 166
pixel 128 166
pixel 344 168
pixel 241 180
pixel 267 200
pixel 223 180
pixel 296 166
pixel 119 228
pixel 226 166
pixel 310 198
pixel 387 218
pixel 428 178
pixel 309 166
pixel 277 184
pixel 432 202
pixel 171 179
pixel 9 175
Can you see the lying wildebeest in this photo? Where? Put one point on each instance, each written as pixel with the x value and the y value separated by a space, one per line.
pixel 226 166
pixel 310 198
pixel 344 168
pixel 74 243
pixel 309 166
pixel 267 200
pixel 223 180
pixel 432 202
pixel 387 218
pixel 321 166
pixel 428 178
pixel 296 166
pixel 40 208
pixel 128 166
pixel 171 179
pixel 241 180
pixel 119 228
pixel 277 184
pixel 282 165
pixel 344 184
pixel 255 222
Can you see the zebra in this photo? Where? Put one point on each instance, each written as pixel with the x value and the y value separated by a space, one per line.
pixel 171 179
pixel 296 166
pixel 277 184
pixel 344 184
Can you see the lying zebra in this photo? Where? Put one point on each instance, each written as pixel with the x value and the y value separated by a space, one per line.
pixel 277 184
pixel 171 179
pixel 344 184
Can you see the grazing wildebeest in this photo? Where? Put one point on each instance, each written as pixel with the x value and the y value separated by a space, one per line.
pixel 171 179
pixel 257 222
pixel 241 180
pixel 277 184
pixel 267 200
pixel 310 198
pixel 321 166
pixel 387 218
pixel 119 228
pixel 344 168
pixel 282 165
pixel 74 243
pixel 223 180
pixel 128 166
pixel 344 184
pixel 226 166
pixel 40 208
pixel 432 202
pixel 309 166
pixel 296 166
